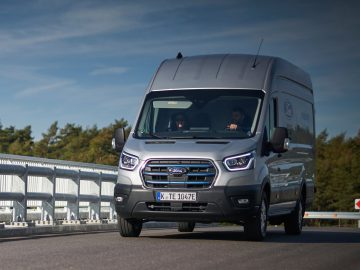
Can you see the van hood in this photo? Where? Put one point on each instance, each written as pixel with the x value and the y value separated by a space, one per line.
pixel 184 148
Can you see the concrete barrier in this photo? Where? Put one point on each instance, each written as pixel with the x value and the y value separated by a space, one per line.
pixel 26 231
pixel 74 227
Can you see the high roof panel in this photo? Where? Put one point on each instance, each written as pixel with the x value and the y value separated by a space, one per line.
pixel 223 71
pixel 212 71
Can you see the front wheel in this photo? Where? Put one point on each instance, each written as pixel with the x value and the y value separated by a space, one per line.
pixel 293 223
pixel 129 227
pixel 255 228
pixel 186 226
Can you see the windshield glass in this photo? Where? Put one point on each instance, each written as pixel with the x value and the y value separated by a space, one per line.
pixel 208 114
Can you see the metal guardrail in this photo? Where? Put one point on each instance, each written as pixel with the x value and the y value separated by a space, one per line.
pixel 333 216
pixel 45 185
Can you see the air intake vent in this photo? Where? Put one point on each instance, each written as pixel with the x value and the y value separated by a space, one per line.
pixel 179 174
pixel 183 207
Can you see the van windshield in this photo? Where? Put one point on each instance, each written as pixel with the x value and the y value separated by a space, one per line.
pixel 200 114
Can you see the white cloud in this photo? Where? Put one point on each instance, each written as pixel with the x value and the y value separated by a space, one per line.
pixel 92 19
pixel 59 23
pixel 31 91
pixel 109 71
pixel 78 21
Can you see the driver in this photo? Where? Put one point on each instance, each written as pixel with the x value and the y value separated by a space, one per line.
pixel 237 120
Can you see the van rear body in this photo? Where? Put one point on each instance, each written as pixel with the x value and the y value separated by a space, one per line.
pixel 191 158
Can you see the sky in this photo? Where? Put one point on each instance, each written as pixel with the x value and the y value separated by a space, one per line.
pixel 89 62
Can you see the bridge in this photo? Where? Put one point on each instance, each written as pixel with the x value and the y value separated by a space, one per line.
pixel 47 190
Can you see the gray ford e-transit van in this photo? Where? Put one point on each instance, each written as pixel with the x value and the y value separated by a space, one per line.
pixel 219 138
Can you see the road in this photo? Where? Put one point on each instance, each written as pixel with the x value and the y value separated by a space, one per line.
pixel 206 248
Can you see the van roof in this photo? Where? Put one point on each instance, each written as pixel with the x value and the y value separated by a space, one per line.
pixel 225 71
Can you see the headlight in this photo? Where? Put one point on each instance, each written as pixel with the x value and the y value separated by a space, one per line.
pixel 128 162
pixel 240 162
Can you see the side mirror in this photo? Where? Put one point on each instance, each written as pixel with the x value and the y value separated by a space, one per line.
pixel 280 141
pixel 118 140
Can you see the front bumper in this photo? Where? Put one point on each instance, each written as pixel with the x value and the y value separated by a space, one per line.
pixel 217 204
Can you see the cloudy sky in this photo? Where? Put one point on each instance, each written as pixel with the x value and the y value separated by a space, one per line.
pixel 88 62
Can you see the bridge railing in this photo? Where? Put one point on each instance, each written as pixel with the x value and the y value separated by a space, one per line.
pixel 29 184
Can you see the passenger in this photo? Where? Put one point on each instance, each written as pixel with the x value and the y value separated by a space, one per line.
pixel 238 120
pixel 180 122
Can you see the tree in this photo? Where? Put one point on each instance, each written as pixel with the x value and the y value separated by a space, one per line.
pixel 100 150
pixel 44 147
pixel 7 136
pixel 21 142
pixel 338 172
pixel 73 142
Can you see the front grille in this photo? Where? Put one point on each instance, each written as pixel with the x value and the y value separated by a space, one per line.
pixel 179 174
pixel 176 207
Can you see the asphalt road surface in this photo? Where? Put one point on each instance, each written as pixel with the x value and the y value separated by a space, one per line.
pixel 205 248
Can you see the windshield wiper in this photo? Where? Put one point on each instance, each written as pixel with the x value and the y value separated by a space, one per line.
pixel 154 136
pixel 194 137
pixel 180 137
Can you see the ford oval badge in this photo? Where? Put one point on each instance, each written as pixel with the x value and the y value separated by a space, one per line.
pixel 177 171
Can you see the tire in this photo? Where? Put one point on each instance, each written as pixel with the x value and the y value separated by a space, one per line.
pixel 186 226
pixel 129 228
pixel 255 228
pixel 293 223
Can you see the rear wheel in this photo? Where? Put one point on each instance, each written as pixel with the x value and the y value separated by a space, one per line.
pixel 293 223
pixel 186 226
pixel 129 227
pixel 255 228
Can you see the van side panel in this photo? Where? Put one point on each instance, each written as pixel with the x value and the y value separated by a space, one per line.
pixel 295 112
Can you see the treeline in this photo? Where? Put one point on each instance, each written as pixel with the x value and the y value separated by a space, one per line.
pixel 338 172
pixel 338 158
pixel 72 142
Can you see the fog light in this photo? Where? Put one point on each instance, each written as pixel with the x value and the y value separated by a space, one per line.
pixel 243 201
pixel 119 199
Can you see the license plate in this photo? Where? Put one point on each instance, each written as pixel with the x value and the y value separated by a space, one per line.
pixel 176 196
